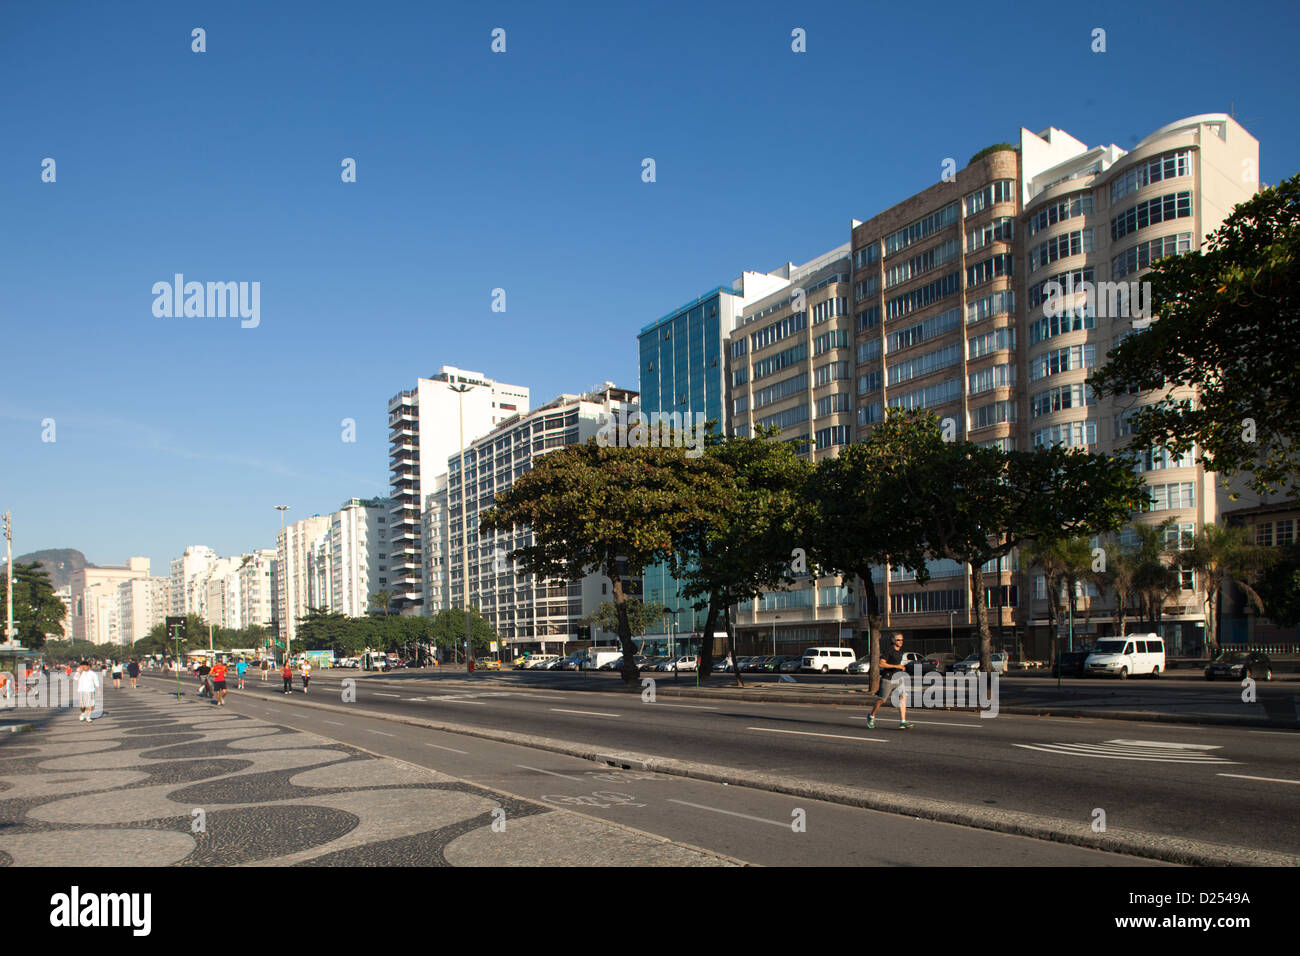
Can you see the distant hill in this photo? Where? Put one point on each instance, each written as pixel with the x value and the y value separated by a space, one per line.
pixel 59 563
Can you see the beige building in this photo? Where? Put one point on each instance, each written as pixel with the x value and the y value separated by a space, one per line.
pixel 297 553
pixel 141 604
pixel 94 597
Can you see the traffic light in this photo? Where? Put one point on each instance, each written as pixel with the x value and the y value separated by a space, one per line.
pixel 175 628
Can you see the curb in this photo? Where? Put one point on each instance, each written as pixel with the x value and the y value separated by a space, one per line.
pixel 851 698
pixel 1129 842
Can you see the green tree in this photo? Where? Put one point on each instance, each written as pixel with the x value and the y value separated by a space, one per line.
pixel 447 630
pixel 745 546
pixel 639 615
pixel 1279 587
pixel 1220 555
pixel 861 510
pixel 1155 577
pixel 1229 328
pixel 1119 577
pixel 38 612
pixel 1065 562
pixel 380 602
pixel 613 510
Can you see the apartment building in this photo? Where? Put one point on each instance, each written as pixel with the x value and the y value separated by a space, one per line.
pixel 256 588
pixel 185 596
pixel 527 613
pixel 298 553
pixel 94 599
pixel 427 422
pixel 141 604
pixel 358 555
pixel 434 536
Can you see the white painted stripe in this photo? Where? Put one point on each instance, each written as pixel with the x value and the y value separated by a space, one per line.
pixel 1085 753
pixel 333 723
pixel 1295 783
pixel 1165 743
pixel 457 700
pixel 937 723
pixel 684 706
pixel 550 772
pixel 381 733
pixel 806 733
pixel 452 749
pixel 381 694
pixel 731 813
pixel 1287 733
pixel 585 713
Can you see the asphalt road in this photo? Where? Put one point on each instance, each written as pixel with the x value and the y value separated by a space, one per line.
pixel 1223 785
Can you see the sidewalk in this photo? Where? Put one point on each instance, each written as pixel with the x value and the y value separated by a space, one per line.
pixel 161 782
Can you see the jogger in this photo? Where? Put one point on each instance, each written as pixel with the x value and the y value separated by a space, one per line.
pixel 287 674
pixel 892 676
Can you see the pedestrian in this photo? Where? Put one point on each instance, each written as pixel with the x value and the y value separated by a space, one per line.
pixel 219 683
pixel 204 672
pixel 133 672
pixel 306 674
pixel 87 689
pixel 892 680
pixel 287 674
pixel 117 675
pixel 266 667
pixel 239 673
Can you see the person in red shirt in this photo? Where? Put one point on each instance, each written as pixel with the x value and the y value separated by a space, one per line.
pixel 219 682
pixel 287 674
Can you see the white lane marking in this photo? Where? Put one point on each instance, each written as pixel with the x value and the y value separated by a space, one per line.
pixel 551 772
pixel 731 813
pixel 937 723
pixel 381 733
pixel 333 723
pixel 660 703
pixel 452 749
pixel 806 733
pixel 546 697
pixel 381 694
pixel 1243 776
pixel 585 713
pixel 1093 750
pixel 1164 744
pixel 1287 733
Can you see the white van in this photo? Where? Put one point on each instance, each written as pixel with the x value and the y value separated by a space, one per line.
pixel 827 659
pixel 1127 656
pixel 537 661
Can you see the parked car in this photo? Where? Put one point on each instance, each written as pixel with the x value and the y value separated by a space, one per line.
pixel 1239 665
pixel 1127 656
pixel 487 664
pixel 790 665
pixel 1071 664
pixel 943 662
pixel 615 665
pixel 997 661
pixel 684 663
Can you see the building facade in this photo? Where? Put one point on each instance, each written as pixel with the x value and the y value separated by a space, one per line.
pixel 358 557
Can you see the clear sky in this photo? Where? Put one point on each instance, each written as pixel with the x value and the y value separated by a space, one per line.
pixel 475 171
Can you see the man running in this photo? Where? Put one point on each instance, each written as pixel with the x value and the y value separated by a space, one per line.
pixel 287 674
pixel 133 672
pixel 240 667
pixel 306 674
pixel 219 683
pixel 892 677
pixel 87 690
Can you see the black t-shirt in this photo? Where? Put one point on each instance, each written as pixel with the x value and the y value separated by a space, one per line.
pixel 890 655
pixel 204 670
pixel 133 669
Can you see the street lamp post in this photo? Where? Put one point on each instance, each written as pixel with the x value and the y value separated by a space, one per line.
pixel 9 578
pixel 284 580
pixel 461 388
pixel 775 618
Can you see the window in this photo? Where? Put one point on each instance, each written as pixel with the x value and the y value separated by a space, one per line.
pixel 997 413
pixel 946 391
pixel 1071 320
pixel 1079 204
pixel 831 372
pixel 923 263
pixel 779 330
pixel 837 339
pixel 996 304
pixel 1180 537
pixel 739 377
pixel 1065 282
pixel 835 435
pixel 870 414
pixel 1001 190
pixel 926 295
pixel 868 351
pixel 996 376
pixel 924 364
pixel 1264 534
pixel 927 602
pixel 830 404
pixel 784 389
pixel 1154 170
pixel 1160 458
pixel 865 287
pixel 1285 531
pixel 981 272
pixel 1180 494
pixel 1058 247
pixel 1146 254
pixel 928 329
pixel 922 228
pixel 774 363
pixel 1069 434
pixel 1062 360
pixel 1061 397
pixel 997 230
pixel 737 349
pixel 996 340
pixel 829 309
pixel 866 255
pixel 787 418
pixel 869 318
pixel 870 382
pixel 1150 212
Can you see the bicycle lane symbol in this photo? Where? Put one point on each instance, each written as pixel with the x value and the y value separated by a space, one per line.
pixel 598 799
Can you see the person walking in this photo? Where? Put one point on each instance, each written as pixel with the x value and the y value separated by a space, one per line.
pixel 219 683
pixel 287 674
pixel 203 673
pixel 87 689
pixel 240 667
pixel 117 675
pixel 306 674
pixel 133 672
pixel 266 668
pixel 892 677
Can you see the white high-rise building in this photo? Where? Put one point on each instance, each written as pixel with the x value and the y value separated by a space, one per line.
pixel 426 422
pixel 185 596
pixel 95 600
pixel 297 581
pixel 358 546
pixel 433 547
pixel 141 604
pixel 257 588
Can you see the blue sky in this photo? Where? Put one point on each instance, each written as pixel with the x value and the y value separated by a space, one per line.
pixel 475 171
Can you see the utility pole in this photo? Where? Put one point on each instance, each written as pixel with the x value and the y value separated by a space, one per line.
pixel 9 579
pixel 461 388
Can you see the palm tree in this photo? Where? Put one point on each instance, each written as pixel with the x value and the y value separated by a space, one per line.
pixel 1154 578
pixel 1219 555
pixel 1065 561
pixel 1119 576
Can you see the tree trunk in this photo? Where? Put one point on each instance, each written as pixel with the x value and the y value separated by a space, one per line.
pixel 630 671
pixel 731 647
pixel 873 628
pixel 981 616
pixel 706 642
